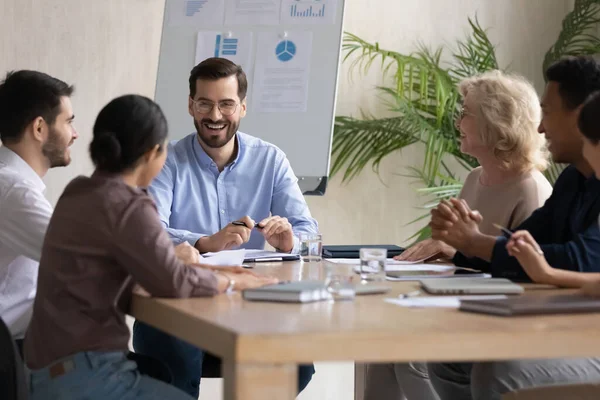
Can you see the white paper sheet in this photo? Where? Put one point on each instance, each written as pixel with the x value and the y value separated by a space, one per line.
pixel 308 12
pixel 252 12
pixel 234 46
pixel 420 267
pixel 225 258
pixel 196 12
pixel 253 253
pixel 282 68
pixel 390 261
pixel 438 301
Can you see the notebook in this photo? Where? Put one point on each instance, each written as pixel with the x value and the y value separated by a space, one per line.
pixel 532 305
pixel 353 251
pixel 471 285
pixel 305 291
pixel 289 292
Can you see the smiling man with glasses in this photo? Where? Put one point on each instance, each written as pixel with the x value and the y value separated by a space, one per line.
pixel 212 178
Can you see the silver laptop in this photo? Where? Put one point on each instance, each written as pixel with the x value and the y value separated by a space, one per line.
pixel 471 286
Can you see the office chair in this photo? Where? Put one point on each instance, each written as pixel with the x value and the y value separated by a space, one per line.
pixel 13 384
pixel 211 366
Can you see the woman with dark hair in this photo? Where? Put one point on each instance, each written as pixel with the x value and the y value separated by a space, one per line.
pixel 104 236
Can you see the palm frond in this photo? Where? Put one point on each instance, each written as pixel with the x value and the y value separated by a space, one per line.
pixel 418 77
pixel 577 36
pixel 474 55
pixel 421 234
pixel 360 141
pixel 447 188
pixel 553 171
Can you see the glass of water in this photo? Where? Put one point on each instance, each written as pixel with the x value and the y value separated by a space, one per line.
pixel 372 264
pixel 311 246
pixel 340 286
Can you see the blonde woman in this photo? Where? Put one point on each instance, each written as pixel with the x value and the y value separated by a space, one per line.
pixel 498 126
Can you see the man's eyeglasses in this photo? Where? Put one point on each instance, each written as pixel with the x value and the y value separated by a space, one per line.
pixel 226 107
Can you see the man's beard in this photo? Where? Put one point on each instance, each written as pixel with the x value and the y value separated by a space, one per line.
pixel 55 151
pixel 215 141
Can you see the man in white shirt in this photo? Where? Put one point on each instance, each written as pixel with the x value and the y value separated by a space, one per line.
pixel 36 131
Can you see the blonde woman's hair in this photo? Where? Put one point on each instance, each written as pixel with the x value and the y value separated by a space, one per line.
pixel 508 113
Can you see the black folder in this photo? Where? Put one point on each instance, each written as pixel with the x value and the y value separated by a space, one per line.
pixel 353 251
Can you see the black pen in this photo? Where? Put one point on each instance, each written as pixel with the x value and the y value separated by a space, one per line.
pixel 240 223
pixel 509 233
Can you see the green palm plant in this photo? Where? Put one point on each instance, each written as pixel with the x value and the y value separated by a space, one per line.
pixel 424 102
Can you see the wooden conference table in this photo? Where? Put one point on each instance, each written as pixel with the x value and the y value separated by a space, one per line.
pixel 261 343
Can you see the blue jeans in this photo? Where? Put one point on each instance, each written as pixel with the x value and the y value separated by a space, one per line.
pixel 96 375
pixel 185 360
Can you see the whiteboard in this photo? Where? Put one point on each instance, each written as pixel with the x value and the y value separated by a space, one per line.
pixel 305 137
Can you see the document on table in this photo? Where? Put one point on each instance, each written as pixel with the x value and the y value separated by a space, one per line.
pixel 238 257
pixel 406 270
pixel 356 261
pixel 224 258
pixel 266 255
pixel 411 269
pixel 438 301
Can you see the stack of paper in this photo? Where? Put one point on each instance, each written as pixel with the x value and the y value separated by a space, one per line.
pixel 439 301
pixel 356 261
pixel 225 258
pixel 238 257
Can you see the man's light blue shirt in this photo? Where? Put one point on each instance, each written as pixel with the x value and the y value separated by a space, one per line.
pixel 194 199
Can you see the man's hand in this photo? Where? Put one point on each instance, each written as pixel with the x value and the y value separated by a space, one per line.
pixel 227 238
pixel 187 254
pixel 454 223
pixel 524 247
pixel 427 250
pixel 278 233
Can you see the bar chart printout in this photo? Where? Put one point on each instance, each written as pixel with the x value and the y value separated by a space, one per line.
pixel 308 11
pixel 195 12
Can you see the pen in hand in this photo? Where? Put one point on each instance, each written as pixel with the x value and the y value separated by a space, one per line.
pixel 240 223
pixel 509 233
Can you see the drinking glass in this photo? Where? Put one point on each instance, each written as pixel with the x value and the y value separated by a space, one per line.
pixel 372 264
pixel 340 286
pixel 311 246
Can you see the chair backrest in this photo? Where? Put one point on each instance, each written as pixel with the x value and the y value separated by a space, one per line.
pixel 13 384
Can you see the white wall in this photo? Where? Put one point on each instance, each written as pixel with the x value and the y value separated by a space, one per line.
pixel 110 47
pixel 105 48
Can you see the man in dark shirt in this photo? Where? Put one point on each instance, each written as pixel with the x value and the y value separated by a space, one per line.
pixel 566 228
